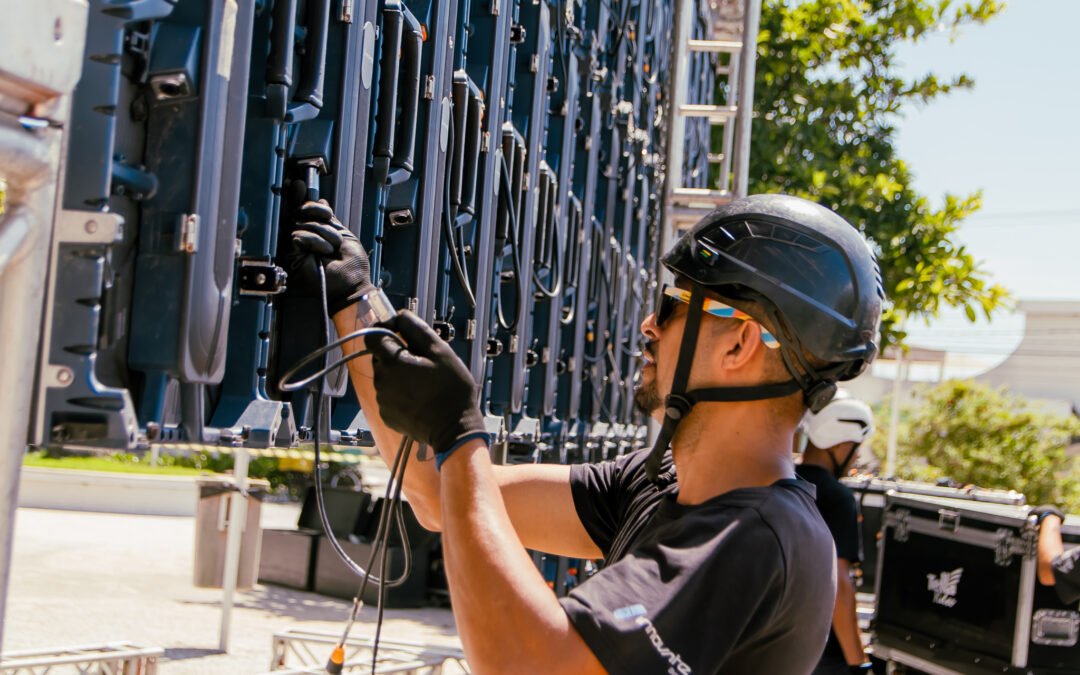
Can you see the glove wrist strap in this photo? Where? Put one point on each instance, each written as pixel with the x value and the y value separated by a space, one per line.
pixel 372 307
pixel 441 457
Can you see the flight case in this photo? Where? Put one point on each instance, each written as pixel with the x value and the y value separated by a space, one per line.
pixel 957 590
pixel 870 497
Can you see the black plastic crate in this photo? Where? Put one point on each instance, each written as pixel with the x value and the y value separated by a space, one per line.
pixel 288 558
pixel 334 578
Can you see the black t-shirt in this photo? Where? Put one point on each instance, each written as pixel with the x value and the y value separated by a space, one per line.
pixel 1067 576
pixel 836 502
pixel 743 583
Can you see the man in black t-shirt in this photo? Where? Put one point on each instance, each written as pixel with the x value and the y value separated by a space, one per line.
pixel 735 584
pixel 833 438
pixel 716 560
pixel 1057 567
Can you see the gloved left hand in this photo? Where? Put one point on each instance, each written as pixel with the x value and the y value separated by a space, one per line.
pixel 424 391
pixel 1041 512
pixel 320 238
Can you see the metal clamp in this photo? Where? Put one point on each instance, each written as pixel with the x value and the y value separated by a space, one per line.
pixel 445 330
pixel 260 277
pixel 901 525
pixel 1006 547
pixel 88 227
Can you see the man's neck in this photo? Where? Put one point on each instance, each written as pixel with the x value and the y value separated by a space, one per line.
pixel 819 459
pixel 721 447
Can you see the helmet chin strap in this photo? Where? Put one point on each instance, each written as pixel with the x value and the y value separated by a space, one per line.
pixel 676 405
pixel 679 402
pixel 838 469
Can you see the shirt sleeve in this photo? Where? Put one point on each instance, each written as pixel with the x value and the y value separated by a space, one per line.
pixel 1067 576
pixel 600 495
pixel 646 612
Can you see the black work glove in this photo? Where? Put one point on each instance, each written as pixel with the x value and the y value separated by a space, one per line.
pixel 1046 510
pixel 318 238
pixel 424 391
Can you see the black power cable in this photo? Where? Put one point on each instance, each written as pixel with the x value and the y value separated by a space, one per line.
pixel 506 192
pixel 560 38
pixel 556 270
pixel 568 315
pixel 391 514
pixel 456 248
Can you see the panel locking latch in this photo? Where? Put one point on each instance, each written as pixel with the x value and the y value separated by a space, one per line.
pixel 260 277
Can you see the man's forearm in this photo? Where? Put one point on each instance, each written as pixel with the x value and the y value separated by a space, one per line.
pixel 421 480
pixel 1050 547
pixel 846 620
pixel 508 619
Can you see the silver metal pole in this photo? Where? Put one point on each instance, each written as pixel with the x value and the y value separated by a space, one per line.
pixel 40 63
pixel 234 537
pixel 745 114
pixel 894 416
pixel 729 126
pixel 676 131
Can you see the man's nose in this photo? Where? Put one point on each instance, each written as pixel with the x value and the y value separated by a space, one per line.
pixel 649 328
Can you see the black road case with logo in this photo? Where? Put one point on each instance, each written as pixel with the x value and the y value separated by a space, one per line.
pixel 957 591
pixel 870 498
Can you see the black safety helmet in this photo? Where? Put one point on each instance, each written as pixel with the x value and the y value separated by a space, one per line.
pixel 811 271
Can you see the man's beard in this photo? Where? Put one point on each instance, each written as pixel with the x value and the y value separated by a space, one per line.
pixel 647 395
pixel 647 398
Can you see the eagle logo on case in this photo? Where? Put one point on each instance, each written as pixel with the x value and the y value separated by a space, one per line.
pixel 943 586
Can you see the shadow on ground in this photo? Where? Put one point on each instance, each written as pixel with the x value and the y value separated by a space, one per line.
pixel 184 653
pixel 302 606
pixel 286 602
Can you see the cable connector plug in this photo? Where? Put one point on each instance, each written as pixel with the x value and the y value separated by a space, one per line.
pixel 336 663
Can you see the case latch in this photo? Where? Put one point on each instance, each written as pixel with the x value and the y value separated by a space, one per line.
pixel 948 520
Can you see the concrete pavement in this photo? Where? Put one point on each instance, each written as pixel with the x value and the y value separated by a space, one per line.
pixel 81 578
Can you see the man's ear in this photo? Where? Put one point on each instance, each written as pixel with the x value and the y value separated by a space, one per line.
pixel 742 344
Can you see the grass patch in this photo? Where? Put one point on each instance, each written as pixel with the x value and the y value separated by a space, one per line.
pixel 124 464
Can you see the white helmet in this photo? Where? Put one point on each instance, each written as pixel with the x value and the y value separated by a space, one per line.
pixel 842 420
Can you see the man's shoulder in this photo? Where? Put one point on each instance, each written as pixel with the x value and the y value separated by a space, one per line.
pixel 781 515
pixel 790 505
pixel 630 464
pixel 829 489
pixel 794 520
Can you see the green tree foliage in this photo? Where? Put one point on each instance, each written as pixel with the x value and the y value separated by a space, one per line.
pixel 828 95
pixel 977 435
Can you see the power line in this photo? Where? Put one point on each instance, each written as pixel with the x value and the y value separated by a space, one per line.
pixel 982 215
pixel 992 332
pixel 1022 220
pixel 988 351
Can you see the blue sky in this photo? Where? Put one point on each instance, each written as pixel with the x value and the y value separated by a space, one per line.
pixel 1016 136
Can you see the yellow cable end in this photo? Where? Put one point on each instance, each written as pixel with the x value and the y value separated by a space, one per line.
pixel 337 661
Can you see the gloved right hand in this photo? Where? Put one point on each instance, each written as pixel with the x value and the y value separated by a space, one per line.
pixel 424 391
pixel 318 238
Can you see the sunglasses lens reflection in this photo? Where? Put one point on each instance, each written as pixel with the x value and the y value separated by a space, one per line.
pixel 664 306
